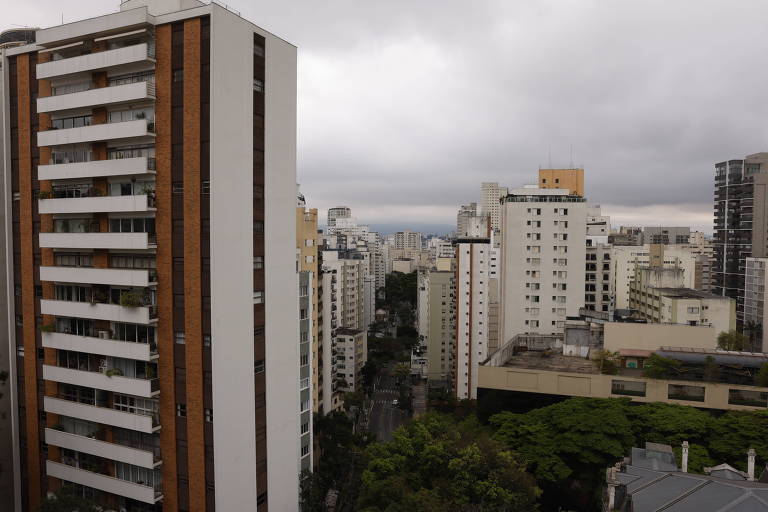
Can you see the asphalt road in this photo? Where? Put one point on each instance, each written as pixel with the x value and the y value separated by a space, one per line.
pixel 384 417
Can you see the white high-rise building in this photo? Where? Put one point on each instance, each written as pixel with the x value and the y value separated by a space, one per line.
pixel 407 240
pixel 598 288
pixel 542 260
pixel 490 202
pixel 475 263
pixel 339 212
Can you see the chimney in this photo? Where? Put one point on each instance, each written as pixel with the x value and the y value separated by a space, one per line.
pixel 685 457
pixel 751 465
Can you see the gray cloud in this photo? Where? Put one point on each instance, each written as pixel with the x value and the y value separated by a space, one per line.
pixel 405 107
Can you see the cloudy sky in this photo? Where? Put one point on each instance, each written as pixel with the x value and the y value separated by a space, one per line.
pixel 405 107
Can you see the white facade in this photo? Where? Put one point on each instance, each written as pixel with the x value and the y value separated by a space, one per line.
pixel 543 254
pixel 466 211
pixel 407 240
pixel 339 212
pixel 490 204
pixel 625 258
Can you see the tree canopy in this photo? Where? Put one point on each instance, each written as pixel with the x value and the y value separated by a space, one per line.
pixel 437 463
pixel 732 340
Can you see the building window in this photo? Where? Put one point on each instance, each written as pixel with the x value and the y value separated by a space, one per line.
pixel 258 85
pixel 258 366
pixel 258 262
pixel 177 187
pixel 303 290
pixel 205 188
pixel 305 450
pixel 258 227
pixel 206 340
pixel 258 50
pixel 258 297
pixel 179 337
pixel 209 415
pixel 178 75
pixel 181 410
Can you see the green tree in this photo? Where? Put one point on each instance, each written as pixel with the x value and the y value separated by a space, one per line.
pixel 711 370
pixel 369 371
pixel 65 500
pixel 671 424
pixel 353 399
pixel 761 379
pixel 402 371
pixel 606 362
pixel 735 432
pixel 732 340
pixel 659 367
pixel 437 464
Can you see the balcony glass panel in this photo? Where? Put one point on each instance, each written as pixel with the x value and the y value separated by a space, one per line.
pixel 682 392
pixel 628 388
pixel 747 397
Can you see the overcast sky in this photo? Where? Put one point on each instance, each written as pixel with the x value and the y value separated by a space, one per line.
pixel 405 107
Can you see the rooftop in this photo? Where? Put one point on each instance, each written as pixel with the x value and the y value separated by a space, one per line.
pixel 688 293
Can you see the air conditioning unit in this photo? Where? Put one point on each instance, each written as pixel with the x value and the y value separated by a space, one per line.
pixel 104 335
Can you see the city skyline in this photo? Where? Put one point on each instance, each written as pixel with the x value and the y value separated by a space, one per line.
pixel 630 92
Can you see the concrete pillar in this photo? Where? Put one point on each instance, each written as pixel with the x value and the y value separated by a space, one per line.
pixel 685 457
pixel 751 464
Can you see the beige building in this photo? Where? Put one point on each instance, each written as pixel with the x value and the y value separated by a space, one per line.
pixel 437 324
pixel 625 258
pixel 306 246
pixel 657 295
pixel 542 261
pixel 350 352
pixel 404 265
pixel 490 203
pixel 755 303
pixel 569 179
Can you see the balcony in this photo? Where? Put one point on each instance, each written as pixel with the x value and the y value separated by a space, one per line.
pixel 115 418
pixel 88 275
pixel 117 384
pixel 97 240
pixel 108 204
pixel 100 346
pixel 97 132
pixel 139 53
pixel 97 168
pixel 92 446
pixel 113 95
pixel 143 493
pixel 98 311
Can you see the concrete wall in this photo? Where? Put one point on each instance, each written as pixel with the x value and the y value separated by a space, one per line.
pixel 619 335
pixel 600 386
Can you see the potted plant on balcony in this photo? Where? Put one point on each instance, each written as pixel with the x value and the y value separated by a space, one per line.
pixel 113 371
pixel 141 115
pixel 131 299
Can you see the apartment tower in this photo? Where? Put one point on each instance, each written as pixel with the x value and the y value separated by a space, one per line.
pixel 741 223
pixel 490 202
pixel 543 257
pixel 149 179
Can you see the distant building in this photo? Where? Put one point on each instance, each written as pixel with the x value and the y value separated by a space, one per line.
pixel 756 302
pixel 339 212
pixel 658 295
pixel 350 352
pixel 437 324
pixel 408 240
pixel 666 235
pixel 490 203
pixel 466 212
pixel 571 180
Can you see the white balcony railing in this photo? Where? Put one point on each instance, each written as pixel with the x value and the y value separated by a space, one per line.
pixel 143 493
pixel 113 451
pixel 93 61
pixel 88 275
pixel 97 311
pixel 97 132
pixel 103 415
pixel 115 383
pixel 113 95
pixel 96 240
pixel 100 346
pixel 108 204
pixel 96 168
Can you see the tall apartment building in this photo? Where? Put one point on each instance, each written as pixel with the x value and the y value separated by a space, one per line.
pixel 437 324
pixel 408 240
pixel 570 179
pixel 308 265
pixel 543 257
pixel 490 202
pixel 466 212
pixel 472 300
pixel 156 364
pixel 598 289
pixel 741 223
pixel 755 303
pixel 350 352
pixel 339 212
pixel 343 307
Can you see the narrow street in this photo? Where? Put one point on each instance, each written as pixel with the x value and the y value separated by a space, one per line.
pixel 384 416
